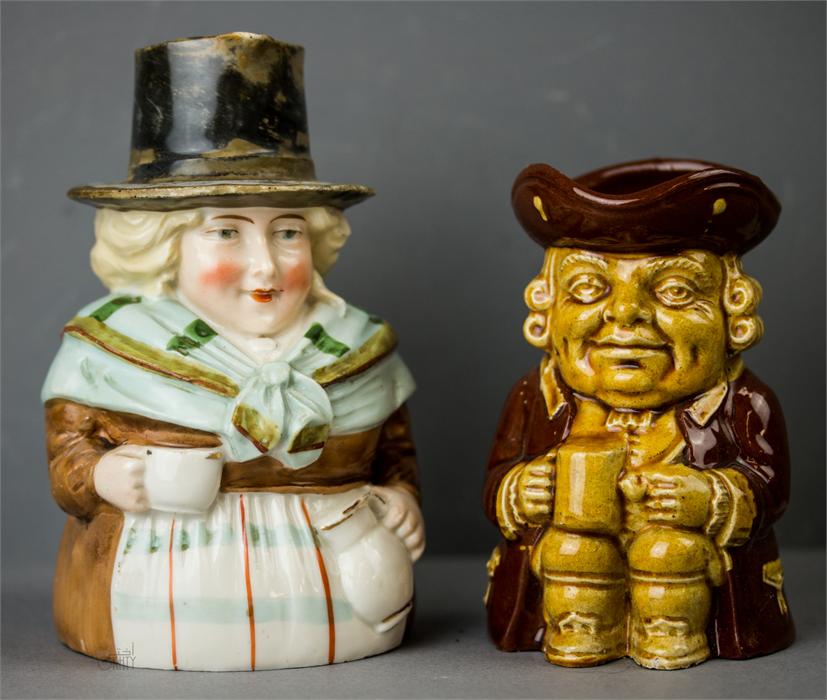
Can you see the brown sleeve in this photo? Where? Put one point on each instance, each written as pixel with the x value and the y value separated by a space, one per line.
pixel 757 424
pixel 509 441
pixel 395 460
pixel 525 431
pixel 77 436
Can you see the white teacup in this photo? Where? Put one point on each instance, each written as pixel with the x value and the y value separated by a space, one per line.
pixel 182 479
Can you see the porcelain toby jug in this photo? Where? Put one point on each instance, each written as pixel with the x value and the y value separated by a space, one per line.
pixel 221 424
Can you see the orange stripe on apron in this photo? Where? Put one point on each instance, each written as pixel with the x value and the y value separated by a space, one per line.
pixel 249 585
pixel 331 623
pixel 171 599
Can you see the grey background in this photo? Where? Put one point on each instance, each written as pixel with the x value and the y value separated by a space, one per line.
pixel 438 106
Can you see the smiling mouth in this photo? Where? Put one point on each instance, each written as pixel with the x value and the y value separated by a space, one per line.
pixel 627 351
pixel 262 296
pixel 631 342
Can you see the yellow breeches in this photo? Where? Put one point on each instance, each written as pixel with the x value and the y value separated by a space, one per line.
pixel 651 601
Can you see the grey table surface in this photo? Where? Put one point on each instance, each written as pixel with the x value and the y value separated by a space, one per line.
pixel 448 655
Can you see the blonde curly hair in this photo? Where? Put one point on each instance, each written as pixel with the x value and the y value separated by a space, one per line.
pixel 138 251
pixel 740 299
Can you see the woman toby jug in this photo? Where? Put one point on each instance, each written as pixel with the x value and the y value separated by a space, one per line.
pixel 637 473
pixel 228 436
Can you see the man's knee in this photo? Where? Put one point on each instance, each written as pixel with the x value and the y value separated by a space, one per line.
pixel 560 551
pixel 670 551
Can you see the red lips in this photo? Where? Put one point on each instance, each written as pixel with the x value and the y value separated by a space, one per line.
pixel 262 296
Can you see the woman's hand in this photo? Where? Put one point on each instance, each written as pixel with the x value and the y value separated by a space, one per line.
pixel 403 517
pixel 119 478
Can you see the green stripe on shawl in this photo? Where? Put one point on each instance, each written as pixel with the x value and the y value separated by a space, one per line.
pixel 151 359
pixel 379 345
pixel 195 335
pixel 262 432
pixel 311 437
pixel 325 343
pixel 111 306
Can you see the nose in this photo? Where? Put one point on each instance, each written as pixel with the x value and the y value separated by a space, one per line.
pixel 263 263
pixel 627 306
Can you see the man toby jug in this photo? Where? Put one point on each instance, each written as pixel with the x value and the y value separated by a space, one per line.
pixel 637 472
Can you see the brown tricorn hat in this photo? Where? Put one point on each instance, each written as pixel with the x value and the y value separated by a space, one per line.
pixel 650 206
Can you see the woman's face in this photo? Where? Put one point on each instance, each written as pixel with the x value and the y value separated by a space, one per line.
pixel 247 269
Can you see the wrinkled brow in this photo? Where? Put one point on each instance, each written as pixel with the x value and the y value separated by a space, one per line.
pixel 680 263
pixel 587 258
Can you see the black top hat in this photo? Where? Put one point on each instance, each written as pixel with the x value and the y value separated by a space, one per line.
pixel 220 120
pixel 658 205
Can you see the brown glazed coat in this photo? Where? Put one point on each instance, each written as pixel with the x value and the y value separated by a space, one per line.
pixel 78 436
pixel 747 433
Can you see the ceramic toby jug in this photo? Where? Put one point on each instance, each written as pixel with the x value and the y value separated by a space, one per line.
pixel 217 424
pixel 637 472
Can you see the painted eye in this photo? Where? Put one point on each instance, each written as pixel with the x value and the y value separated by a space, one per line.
pixel 288 234
pixel 674 292
pixel 221 234
pixel 588 288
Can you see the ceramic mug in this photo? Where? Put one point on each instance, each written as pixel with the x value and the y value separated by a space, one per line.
pixel 182 480
pixel 586 496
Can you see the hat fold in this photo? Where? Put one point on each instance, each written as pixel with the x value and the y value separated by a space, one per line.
pixel 657 205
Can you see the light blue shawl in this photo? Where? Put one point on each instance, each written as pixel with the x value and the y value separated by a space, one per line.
pixel 155 358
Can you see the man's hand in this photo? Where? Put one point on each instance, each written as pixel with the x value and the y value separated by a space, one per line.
pixel 535 491
pixel 403 517
pixel 119 478
pixel 668 494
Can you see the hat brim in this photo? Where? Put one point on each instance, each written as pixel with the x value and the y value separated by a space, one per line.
pixel 170 196
pixel 657 206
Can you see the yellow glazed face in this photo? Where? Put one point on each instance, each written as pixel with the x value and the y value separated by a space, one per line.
pixel 635 331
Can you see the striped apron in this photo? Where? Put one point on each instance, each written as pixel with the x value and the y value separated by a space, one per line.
pixel 255 584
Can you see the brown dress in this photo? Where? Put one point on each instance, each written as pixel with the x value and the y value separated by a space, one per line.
pixel 77 437
pixel 749 615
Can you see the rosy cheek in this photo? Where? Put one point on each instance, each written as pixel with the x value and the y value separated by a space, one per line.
pixel 297 277
pixel 223 274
